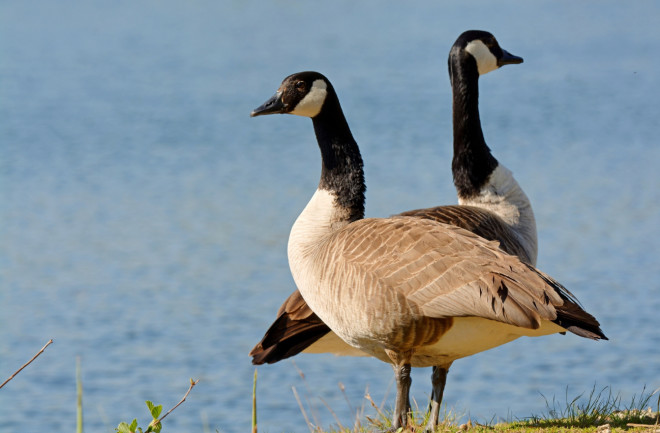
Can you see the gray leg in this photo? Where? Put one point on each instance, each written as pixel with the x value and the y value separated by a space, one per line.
pixel 402 404
pixel 438 380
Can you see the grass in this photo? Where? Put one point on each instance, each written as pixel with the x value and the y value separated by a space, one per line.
pixel 79 398
pixel 600 407
pixel 600 411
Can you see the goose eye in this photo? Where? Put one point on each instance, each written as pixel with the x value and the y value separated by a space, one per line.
pixel 300 85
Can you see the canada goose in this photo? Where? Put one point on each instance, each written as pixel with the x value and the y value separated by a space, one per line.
pixel 409 291
pixel 492 204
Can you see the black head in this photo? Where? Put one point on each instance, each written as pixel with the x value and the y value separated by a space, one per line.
pixel 481 48
pixel 303 94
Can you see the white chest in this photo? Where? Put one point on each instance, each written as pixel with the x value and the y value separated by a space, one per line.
pixel 318 221
pixel 503 196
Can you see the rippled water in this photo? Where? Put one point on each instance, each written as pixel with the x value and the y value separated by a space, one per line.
pixel 144 216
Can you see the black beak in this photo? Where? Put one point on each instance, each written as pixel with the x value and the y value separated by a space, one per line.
pixel 508 59
pixel 272 106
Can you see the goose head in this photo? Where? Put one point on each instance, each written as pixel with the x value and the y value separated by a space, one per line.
pixel 479 50
pixel 310 94
pixel 302 94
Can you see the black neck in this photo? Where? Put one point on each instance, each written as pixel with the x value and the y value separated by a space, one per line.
pixel 342 171
pixel 473 163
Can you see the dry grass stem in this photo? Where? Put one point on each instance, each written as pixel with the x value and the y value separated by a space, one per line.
pixel 334 415
pixel 312 410
pixel 302 409
pixel 27 363
pixel 192 385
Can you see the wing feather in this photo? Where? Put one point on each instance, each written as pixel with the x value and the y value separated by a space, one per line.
pixel 442 270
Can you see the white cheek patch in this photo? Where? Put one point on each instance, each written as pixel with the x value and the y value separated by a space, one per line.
pixel 486 61
pixel 312 103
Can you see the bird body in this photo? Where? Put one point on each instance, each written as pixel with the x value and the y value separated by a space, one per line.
pixel 417 285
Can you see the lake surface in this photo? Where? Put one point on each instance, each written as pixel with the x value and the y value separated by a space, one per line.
pixel 144 216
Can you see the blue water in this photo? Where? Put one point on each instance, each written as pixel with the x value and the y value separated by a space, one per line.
pixel 144 216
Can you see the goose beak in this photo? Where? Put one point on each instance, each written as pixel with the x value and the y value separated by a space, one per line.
pixel 508 59
pixel 272 106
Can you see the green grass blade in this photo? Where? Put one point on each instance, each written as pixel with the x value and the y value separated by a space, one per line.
pixel 79 394
pixel 254 403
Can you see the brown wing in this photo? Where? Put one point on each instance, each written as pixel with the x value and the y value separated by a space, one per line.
pixel 443 270
pixel 446 271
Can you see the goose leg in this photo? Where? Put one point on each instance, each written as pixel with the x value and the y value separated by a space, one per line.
pixel 401 362
pixel 402 404
pixel 438 380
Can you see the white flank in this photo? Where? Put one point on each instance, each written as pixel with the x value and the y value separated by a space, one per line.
pixel 312 103
pixel 471 335
pixel 486 61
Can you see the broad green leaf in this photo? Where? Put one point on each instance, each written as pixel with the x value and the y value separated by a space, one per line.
pixel 125 428
pixel 154 410
pixel 133 425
